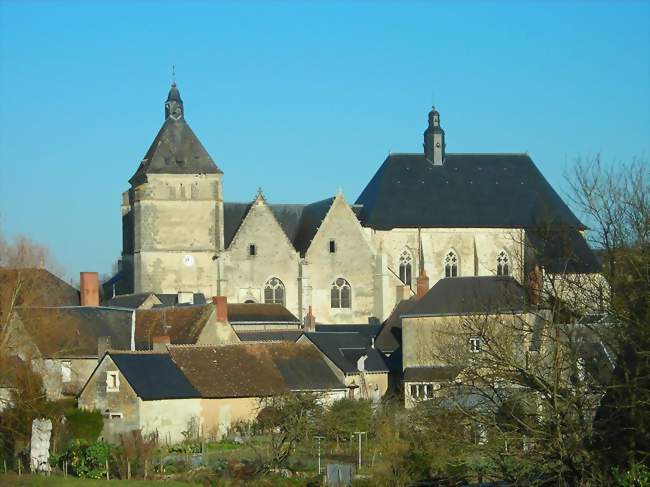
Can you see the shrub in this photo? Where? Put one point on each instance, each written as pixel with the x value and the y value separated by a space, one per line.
pixel 84 425
pixel 86 459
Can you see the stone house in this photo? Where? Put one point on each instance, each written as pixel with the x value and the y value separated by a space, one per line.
pixel 449 323
pixel 354 359
pixel 206 388
pixel 448 214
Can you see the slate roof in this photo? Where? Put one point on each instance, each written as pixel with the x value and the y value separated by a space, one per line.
pixel 154 376
pixel 182 324
pixel 175 150
pixel 468 190
pixel 299 222
pixel 433 374
pixel 73 331
pixel 467 295
pixel 369 331
pixel 254 370
pixel 38 287
pixel 345 348
pixel 562 251
pixel 172 299
pixel 259 313
pixel 389 337
pixel 269 336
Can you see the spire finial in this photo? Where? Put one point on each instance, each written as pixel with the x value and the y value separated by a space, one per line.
pixel 173 75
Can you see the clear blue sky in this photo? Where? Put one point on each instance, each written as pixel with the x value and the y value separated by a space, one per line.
pixel 300 98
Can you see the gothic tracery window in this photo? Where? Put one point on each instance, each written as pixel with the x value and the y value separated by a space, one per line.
pixel 503 264
pixel 341 294
pixel 451 264
pixel 274 291
pixel 406 267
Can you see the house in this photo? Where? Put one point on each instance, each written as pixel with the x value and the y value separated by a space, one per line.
pixel 208 389
pixel 355 361
pixel 449 323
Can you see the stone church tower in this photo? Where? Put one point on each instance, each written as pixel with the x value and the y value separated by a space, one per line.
pixel 172 216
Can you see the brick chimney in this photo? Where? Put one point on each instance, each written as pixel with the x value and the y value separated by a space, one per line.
pixel 310 320
pixel 103 345
pixel 423 284
pixel 221 303
pixel 160 343
pixel 402 293
pixel 89 288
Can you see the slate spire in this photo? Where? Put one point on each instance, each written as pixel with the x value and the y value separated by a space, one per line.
pixel 174 103
pixel 434 139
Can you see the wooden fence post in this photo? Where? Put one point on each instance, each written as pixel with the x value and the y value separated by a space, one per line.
pixel 145 469
pixel 108 474
pixel 128 469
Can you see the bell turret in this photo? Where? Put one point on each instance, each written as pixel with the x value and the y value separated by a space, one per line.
pixel 434 139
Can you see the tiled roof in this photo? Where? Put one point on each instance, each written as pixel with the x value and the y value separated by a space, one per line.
pixel 254 370
pixel 182 324
pixel 73 331
pixel 269 336
pixel 38 287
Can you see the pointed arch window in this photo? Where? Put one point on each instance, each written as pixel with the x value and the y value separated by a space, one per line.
pixel 406 267
pixel 503 264
pixel 341 294
pixel 451 264
pixel 274 291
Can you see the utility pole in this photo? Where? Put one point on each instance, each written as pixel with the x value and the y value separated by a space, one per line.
pixel 319 438
pixel 359 433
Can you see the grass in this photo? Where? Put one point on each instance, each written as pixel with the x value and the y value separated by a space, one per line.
pixel 13 480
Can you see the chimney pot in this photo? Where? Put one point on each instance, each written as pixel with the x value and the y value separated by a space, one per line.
pixel 103 346
pixel 89 288
pixel 160 343
pixel 310 320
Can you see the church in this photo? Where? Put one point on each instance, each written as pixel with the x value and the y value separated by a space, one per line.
pixel 422 217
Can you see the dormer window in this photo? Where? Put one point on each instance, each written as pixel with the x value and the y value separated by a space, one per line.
pixel 252 250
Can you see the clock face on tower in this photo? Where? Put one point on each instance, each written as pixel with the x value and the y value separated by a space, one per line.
pixel 188 260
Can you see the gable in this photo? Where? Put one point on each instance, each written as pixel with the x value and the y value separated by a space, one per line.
pixel 341 224
pixel 260 225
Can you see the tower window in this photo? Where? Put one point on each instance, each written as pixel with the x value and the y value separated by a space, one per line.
pixel 332 246
pixel 112 381
pixel 252 250
pixel 451 264
pixel 341 294
pixel 274 291
pixel 503 264
pixel 406 268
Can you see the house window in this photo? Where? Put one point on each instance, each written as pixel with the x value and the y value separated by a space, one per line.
pixel 332 246
pixel 112 381
pixel 252 250
pixel 503 264
pixel 451 264
pixel 422 391
pixel 66 371
pixel 274 291
pixel 405 267
pixel 341 294
pixel 475 344
pixel 115 415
